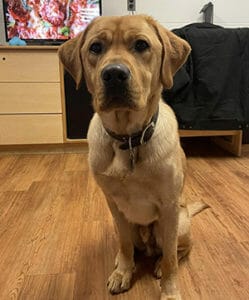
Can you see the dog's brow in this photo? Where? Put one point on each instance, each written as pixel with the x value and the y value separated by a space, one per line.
pixel 136 35
pixel 104 34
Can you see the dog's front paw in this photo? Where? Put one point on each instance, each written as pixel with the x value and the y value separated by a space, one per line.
pixel 176 296
pixel 119 281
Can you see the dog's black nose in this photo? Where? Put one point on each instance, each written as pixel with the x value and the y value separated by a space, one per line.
pixel 115 74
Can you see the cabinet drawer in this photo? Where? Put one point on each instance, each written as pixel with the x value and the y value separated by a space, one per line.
pixel 30 98
pixel 31 129
pixel 26 66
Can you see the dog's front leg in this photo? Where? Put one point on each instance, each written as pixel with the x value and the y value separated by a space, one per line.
pixel 169 262
pixel 120 279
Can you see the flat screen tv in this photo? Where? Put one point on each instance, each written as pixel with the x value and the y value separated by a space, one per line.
pixel 48 21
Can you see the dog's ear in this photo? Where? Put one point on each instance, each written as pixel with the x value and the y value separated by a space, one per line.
pixel 69 54
pixel 175 53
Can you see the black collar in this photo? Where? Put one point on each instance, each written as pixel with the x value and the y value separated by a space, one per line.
pixel 137 138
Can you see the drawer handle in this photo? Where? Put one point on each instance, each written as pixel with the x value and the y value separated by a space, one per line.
pixel 4 58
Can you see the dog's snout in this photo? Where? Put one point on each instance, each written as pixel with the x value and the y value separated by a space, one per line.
pixel 115 74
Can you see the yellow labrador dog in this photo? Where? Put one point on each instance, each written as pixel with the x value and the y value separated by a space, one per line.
pixel 134 149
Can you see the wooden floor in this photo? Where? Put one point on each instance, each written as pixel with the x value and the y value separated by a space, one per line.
pixel 57 239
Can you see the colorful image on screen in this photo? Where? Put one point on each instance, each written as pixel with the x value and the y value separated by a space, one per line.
pixel 48 19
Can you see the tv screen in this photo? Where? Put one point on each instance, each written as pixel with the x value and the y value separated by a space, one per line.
pixel 38 21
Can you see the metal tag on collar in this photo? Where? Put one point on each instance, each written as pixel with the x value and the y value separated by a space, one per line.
pixel 132 155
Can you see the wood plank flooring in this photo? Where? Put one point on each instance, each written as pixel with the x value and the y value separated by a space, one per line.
pixel 57 239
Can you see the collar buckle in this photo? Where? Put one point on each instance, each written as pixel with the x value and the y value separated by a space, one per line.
pixel 150 125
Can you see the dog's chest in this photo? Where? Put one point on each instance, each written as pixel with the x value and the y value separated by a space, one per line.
pixel 121 164
pixel 138 193
pixel 135 192
pixel 137 200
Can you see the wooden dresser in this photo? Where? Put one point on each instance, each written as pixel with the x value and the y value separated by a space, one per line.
pixel 30 96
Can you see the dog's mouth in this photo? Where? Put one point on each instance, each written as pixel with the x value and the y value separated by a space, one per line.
pixel 116 81
pixel 117 101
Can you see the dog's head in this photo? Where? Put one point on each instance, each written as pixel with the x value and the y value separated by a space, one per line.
pixel 124 60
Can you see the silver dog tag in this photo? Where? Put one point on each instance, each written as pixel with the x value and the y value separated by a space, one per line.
pixel 132 159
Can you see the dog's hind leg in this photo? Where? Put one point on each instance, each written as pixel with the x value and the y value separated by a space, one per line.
pixel 184 243
pixel 120 279
pixel 184 237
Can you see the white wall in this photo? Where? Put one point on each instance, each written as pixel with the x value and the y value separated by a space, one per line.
pixel 175 13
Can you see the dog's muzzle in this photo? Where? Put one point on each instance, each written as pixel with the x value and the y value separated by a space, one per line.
pixel 116 80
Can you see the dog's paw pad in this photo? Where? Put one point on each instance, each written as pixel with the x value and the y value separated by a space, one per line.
pixel 119 282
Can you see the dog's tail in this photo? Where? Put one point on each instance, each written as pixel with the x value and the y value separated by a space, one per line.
pixel 196 207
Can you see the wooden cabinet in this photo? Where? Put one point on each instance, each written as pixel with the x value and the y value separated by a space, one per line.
pixel 30 96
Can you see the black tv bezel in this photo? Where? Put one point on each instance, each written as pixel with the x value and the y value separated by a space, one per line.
pixel 38 42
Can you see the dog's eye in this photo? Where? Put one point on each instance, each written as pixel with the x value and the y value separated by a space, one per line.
pixel 96 48
pixel 141 45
